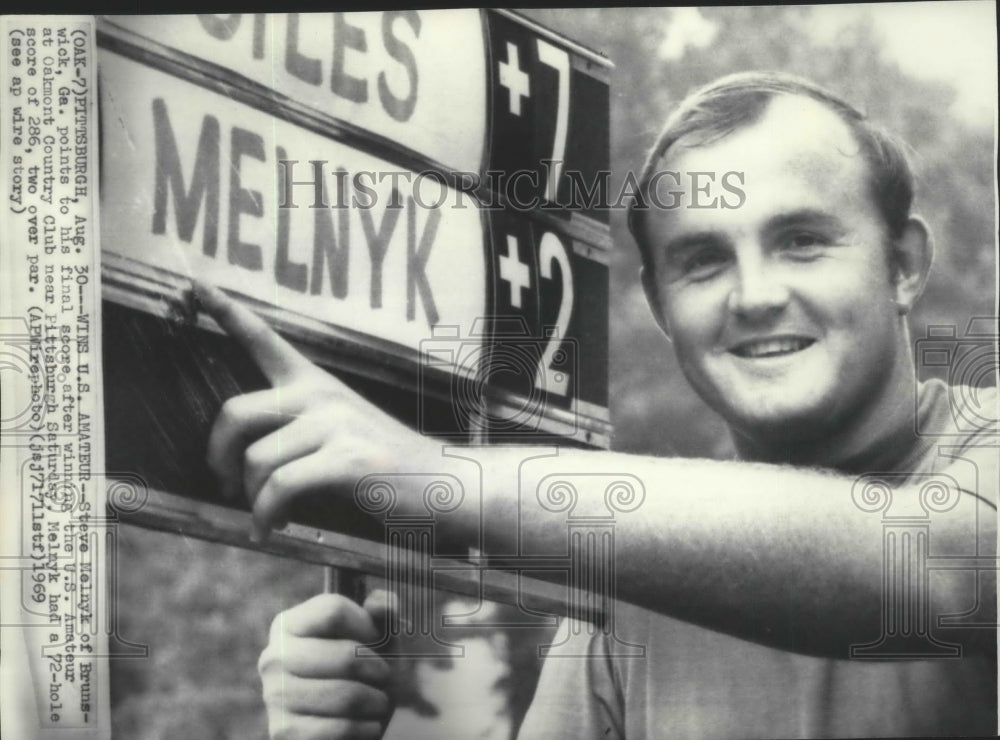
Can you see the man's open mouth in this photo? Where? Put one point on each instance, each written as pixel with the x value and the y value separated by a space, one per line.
pixel 776 347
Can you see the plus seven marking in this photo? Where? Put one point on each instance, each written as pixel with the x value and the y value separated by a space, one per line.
pixel 514 271
pixel 516 81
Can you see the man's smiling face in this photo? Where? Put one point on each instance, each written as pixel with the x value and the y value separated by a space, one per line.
pixel 782 310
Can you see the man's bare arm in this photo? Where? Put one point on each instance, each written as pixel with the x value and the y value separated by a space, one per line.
pixel 774 554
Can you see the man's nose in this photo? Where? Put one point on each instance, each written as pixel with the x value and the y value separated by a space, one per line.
pixel 760 289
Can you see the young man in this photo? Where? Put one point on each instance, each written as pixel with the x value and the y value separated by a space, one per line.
pixel 787 316
pixel 748 582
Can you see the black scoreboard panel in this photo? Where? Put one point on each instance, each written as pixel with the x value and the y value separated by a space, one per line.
pixel 550 285
pixel 550 117
pixel 407 216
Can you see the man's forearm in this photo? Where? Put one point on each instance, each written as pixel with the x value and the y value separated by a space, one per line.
pixel 774 554
pixel 779 555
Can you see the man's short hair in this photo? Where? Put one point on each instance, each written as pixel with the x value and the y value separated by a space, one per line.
pixel 738 100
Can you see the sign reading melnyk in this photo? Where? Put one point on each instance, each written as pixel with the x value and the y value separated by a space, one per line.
pixel 205 186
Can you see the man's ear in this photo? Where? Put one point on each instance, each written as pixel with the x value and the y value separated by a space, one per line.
pixel 652 299
pixel 912 256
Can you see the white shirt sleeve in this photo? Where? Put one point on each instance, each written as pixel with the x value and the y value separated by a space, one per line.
pixel 577 697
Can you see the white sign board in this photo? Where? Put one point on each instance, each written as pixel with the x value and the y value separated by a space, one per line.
pixel 192 185
pixel 391 73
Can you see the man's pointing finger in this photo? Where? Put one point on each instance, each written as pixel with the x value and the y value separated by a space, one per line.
pixel 277 359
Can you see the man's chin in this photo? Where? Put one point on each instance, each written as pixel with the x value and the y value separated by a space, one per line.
pixel 778 416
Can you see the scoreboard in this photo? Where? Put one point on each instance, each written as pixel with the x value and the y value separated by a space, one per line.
pixel 404 194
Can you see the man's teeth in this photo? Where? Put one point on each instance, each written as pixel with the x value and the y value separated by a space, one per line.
pixel 770 347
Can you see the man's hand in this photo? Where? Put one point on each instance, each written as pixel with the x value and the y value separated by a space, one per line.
pixel 318 682
pixel 309 433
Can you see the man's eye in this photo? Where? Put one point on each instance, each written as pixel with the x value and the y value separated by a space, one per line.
pixel 805 240
pixel 804 245
pixel 704 262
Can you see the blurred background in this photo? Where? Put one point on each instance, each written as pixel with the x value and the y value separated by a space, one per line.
pixel 924 70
